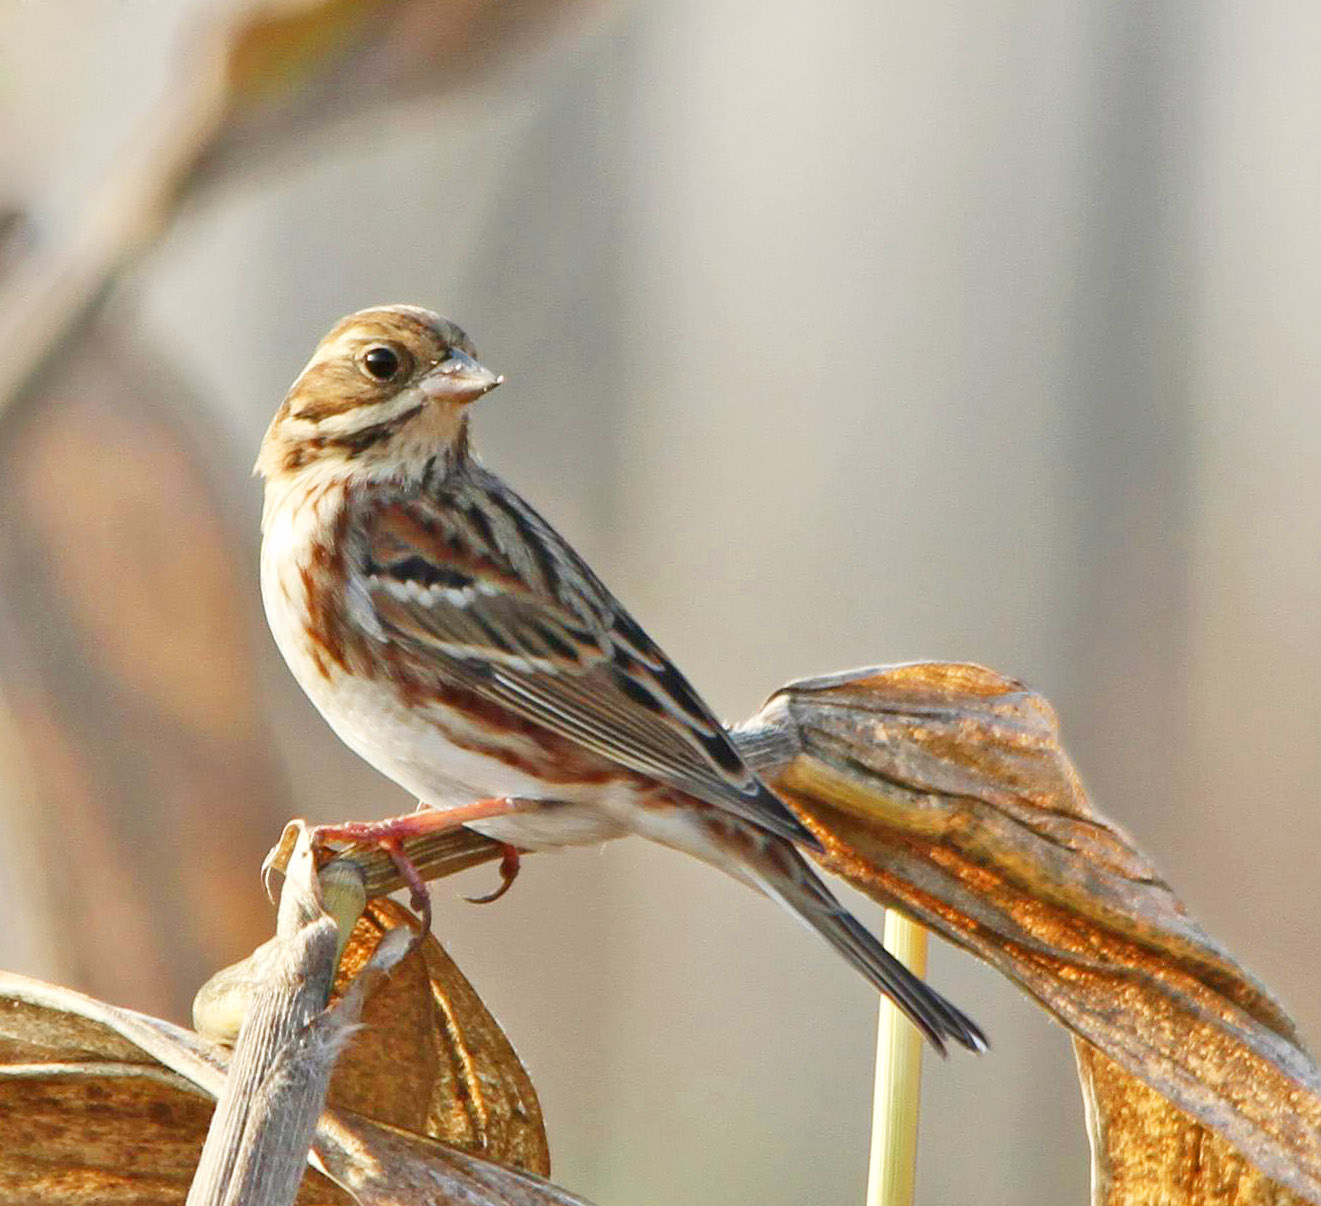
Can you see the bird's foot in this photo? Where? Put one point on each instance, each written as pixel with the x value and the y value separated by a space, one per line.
pixel 510 865
pixel 390 836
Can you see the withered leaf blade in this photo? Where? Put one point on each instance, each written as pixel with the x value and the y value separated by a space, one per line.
pixel 103 1105
pixel 943 789
pixel 385 1166
pixel 1148 1152
pixel 291 64
pixel 431 1060
pixel 88 1117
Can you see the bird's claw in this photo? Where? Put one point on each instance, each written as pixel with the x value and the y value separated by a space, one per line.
pixel 510 865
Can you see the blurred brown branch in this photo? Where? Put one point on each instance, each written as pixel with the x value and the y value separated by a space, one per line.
pixel 111 520
pixel 252 85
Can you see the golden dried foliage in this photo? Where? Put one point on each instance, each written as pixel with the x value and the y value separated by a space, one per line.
pixel 1148 1152
pixel 432 1060
pixel 943 789
pixel 290 65
pixel 100 1105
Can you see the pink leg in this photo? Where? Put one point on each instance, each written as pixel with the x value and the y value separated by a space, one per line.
pixel 417 824
pixel 390 835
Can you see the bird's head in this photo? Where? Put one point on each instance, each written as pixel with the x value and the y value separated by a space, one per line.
pixel 386 391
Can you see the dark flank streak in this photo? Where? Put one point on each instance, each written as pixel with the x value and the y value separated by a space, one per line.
pixel 485 534
pixel 532 540
pixel 636 691
pixel 422 570
pixel 326 627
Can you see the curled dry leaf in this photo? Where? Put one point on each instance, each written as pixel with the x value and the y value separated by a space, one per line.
pixel 104 1105
pixel 943 788
pixel 90 1112
pixel 431 1060
pixel 1148 1152
pixel 85 1115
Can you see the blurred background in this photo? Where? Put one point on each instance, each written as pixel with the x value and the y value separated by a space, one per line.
pixel 836 334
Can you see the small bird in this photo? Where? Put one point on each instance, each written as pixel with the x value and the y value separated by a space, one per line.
pixel 452 638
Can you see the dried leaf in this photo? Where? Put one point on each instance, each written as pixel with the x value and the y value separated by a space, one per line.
pixel 384 1166
pixel 293 64
pixel 88 1117
pixel 97 1133
pixel 431 1060
pixel 103 1105
pixel 943 788
pixel 1148 1152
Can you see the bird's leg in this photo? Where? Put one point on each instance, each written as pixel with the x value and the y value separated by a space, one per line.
pixel 390 835
pixel 510 864
pixel 419 823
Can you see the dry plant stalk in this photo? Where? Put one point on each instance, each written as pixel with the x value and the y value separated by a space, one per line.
pixel 892 1169
pixel 257 1143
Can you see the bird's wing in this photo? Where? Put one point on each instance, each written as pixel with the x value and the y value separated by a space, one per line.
pixel 469 583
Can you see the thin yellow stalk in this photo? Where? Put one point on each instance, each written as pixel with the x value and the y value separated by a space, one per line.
pixel 898 1079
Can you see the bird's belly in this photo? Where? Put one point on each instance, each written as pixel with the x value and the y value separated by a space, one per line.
pixel 436 753
pixel 413 748
pixel 553 825
pixel 416 752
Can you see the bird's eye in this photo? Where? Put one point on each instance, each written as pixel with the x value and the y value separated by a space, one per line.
pixel 381 362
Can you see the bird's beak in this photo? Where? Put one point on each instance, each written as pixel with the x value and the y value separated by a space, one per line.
pixel 458 378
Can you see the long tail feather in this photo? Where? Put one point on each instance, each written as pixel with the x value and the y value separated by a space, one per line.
pixel 786 877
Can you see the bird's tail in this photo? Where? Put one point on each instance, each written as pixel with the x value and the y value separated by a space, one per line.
pixel 779 871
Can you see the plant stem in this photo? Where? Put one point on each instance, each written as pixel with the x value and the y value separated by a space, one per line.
pixel 893 1167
